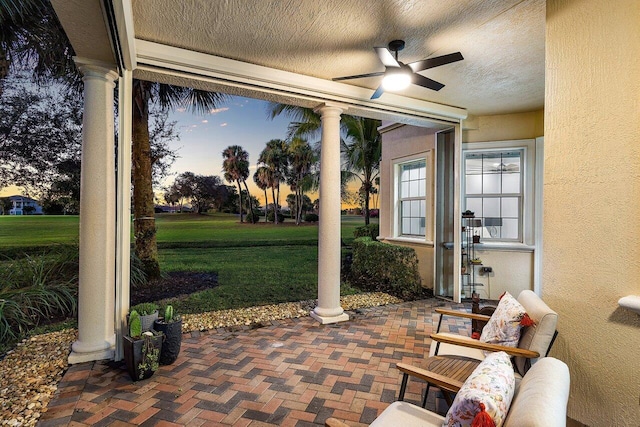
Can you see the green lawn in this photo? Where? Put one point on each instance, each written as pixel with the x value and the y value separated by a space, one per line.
pixel 174 230
pixel 32 231
pixel 256 263
pixel 247 276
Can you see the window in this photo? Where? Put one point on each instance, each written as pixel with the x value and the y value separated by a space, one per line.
pixel 412 198
pixel 498 188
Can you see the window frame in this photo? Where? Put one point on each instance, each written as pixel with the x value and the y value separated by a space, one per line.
pixel 397 164
pixel 528 176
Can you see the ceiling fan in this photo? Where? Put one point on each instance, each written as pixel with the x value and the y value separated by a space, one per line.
pixel 398 75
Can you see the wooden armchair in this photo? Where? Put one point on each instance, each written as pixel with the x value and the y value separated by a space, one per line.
pixel 535 341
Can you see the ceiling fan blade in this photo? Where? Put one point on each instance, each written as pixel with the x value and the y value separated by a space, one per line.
pixel 423 81
pixel 377 93
pixel 386 57
pixel 359 76
pixel 435 62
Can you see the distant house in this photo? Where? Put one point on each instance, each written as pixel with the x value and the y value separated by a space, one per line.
pixel 23 205
pixel 166 209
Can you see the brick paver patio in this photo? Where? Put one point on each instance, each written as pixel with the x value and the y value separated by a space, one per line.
pixel 289 373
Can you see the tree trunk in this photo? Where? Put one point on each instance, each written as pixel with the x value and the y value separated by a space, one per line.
pixel 143 207
pixel 366 207
pixel 275 213
pixel 240 200
pixel 266 205
pixel 299 206
pixel 4 69
pixel 250 203
pixel 277 203
pixel 367 192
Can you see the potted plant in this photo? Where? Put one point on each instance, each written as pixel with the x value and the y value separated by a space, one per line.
pixel 141 349
pixel 148 312
pixel 171 326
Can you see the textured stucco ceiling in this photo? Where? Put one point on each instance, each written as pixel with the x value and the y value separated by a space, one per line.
pixel 502 41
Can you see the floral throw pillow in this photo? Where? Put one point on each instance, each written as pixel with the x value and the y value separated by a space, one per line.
pixel 504 326
pixel 491 385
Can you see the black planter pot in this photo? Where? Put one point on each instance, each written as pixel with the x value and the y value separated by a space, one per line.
pixel 147 320
pixel 172 340
pixel 133 356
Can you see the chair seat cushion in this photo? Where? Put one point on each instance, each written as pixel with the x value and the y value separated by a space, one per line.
pixel 407 415
pixel 456 350
pixel 504 326
pixel 492 383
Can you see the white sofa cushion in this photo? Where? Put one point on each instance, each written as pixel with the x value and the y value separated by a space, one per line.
pixel 541 400
pixel 403 414
pixel 537 337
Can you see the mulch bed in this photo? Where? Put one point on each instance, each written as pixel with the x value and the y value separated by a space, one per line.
pixel 174 285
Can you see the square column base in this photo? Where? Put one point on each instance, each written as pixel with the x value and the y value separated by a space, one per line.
pixel 333 319
pixel 76 357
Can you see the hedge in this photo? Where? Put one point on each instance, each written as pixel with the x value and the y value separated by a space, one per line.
pixel 384 267
pixel 371 230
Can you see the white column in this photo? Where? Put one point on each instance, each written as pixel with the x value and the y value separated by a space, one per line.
pixel 329 309
pixel 96 294
pixel 123 212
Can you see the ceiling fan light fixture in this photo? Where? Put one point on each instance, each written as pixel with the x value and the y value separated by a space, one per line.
pixel 396 80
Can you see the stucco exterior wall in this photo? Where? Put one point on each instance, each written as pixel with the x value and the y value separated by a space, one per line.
pixel 503 127
pixel 591 202
pixel 404 141
pixel 512 270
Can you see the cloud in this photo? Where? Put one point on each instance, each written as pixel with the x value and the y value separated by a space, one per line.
pixel 205 121
pixel 223 124
pixel 194 126
pixel 218 110
pixel 181 109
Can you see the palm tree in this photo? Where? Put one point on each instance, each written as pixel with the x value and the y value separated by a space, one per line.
pixel 236 169
pixel 31 36
pixel 306 122
pixel 166 97
pixel 301 160
pixel 361 158
pixel 362 150
pixel 274 157
pixel 263 179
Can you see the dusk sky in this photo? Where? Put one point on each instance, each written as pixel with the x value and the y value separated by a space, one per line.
pixel 238 121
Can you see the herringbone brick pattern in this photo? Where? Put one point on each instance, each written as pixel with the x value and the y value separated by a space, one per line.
pixel 288 373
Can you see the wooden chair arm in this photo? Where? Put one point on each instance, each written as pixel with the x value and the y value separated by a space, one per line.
pixel 332 422
pixel 439 381
pixel 469 342
pixel 458 313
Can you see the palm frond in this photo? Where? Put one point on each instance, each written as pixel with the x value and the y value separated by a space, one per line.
pixel 195 100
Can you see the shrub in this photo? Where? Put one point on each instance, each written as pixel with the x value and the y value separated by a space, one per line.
pixel 371 230
pixel 311 217
pixel 35 289
pixel 387 268
pixel 138 277
pixel 271 218
pixel 254 215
